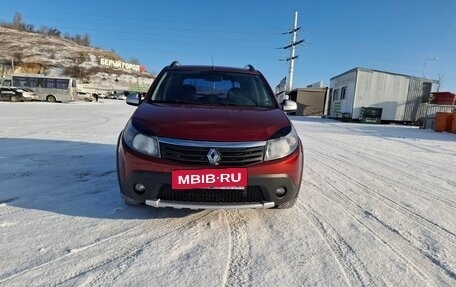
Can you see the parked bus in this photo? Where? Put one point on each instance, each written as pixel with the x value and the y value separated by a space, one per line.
pixel 51 89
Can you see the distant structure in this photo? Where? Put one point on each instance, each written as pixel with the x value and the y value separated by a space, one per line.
pixel 318 84
pixel 394 97
pixel 310 101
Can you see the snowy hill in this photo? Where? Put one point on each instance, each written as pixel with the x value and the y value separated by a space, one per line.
pixel 23 52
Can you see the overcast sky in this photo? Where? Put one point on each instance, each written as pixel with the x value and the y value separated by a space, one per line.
pixel 404 36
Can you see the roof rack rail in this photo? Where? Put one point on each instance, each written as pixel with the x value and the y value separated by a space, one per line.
pixel 175 63
pixel 249 67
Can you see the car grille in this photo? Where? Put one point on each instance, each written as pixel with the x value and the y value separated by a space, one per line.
pixel 251 194
pixel 189 155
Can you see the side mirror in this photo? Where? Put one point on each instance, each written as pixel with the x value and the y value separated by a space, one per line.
pixel 289 106
pixel 133 99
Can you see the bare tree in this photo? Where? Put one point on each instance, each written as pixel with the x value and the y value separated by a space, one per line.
pixel 54 32
pixel 43 30
pixel 134 61
pixel 29 28
pixel 18 22
pixel 86 40
pixel 18 57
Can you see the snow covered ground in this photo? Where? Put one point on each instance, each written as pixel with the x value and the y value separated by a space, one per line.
pixel 377 208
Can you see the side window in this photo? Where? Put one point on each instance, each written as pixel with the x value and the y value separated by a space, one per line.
pixel 20 82
pixel 33 82
pixel 49 83
pixel 342 93
pixel 61 84
pixel 336 95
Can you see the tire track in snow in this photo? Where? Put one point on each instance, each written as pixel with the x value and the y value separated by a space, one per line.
pixel 238 271
pixel 342 144
pixel 378 160
pixel 423 192
pixel 352 267
pixel 404 245
pixel 433 227
pixel 119 266
pixel 123 247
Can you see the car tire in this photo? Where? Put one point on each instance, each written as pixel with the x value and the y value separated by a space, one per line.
pixel 51 99
pixel 13 99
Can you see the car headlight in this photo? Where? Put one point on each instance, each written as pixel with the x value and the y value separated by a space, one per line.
pixel 282 146
pixel 139 142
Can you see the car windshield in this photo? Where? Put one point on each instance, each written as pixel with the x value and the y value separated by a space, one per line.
pixel 213 88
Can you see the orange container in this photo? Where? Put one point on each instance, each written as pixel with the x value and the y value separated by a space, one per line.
pixel 443 122
pixel 453 124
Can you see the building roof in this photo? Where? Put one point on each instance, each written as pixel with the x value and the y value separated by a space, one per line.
pixel 385 72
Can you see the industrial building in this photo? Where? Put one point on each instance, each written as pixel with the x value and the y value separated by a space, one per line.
pixel 395 97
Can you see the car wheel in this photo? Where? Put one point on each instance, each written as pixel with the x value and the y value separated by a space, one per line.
pixel 51 99
pixel 13 99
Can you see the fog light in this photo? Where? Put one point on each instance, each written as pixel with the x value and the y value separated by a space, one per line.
pixel 140 188
pixel 280 191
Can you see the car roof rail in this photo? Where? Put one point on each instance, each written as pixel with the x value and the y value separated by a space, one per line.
pixel 249 67
pixel 175 63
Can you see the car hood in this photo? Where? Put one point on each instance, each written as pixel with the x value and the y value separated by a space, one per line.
pixel 209 123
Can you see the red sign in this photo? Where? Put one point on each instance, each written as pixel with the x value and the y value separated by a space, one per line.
pixel 209 178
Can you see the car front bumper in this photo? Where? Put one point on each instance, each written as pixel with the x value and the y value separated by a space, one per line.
pixel 155 175
pixel 158 192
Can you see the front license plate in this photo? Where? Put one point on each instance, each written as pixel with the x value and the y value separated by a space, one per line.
pixel 229 178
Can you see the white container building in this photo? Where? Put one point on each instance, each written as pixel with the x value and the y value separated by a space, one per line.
pixel 401 97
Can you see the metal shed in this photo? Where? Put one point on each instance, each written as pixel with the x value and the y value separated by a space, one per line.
pixel 401 97
pixel 310 101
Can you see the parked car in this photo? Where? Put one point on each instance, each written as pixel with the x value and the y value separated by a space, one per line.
pixel 85 96
pixel 117 96
pixel 29 93
pixel 16 95
pixel 121 97
pixel 209 137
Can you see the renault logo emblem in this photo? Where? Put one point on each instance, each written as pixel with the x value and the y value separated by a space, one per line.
pixel 213 156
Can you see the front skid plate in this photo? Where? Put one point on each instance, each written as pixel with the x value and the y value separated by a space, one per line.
pixel 179 205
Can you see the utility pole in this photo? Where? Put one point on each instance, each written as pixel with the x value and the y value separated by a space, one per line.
pixel 292 47
pixel 292 52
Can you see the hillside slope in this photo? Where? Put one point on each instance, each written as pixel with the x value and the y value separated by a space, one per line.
pixel 35 53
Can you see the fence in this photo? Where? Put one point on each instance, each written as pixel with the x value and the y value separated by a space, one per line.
pixel 431 110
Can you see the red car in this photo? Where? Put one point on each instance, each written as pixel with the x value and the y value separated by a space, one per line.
pixel 209 137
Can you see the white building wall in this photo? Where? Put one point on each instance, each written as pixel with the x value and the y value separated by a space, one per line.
pixel 383 90
pixel 343 106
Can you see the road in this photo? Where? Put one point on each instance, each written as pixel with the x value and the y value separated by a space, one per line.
pixel 376 208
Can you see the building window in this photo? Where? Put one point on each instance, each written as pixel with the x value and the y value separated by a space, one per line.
pixel 342 93
pixel 336 95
